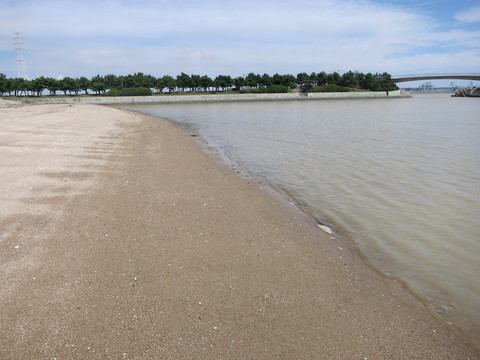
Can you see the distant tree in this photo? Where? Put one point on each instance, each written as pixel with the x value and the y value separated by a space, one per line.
pixel 195 82
pixel 68 84
pixel 349 79
pixel 205 82
pixel 278 79
pixel 223 82
pixel 333 78
pixel 367 81
pixel 99 87
pixel 9 86
pixel 83 83
pixel 148 81
pixel 383 82
pixel 285 80
pixel 302 78
pixel 252 80
pixel 112 81
pixel 130 81
pixel 322 78
pixel 239 82
pixel 20 86
pixel 184 81
pixel 97 84
pixel 159 85
pixel 169 82
pixel 139 80
pixel 265 80
pixel 252 83
pixel 38 85
pixel 52 85
pixel 304 82
pixel 3 83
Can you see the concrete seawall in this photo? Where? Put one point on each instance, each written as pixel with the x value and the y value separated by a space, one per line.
pixel 178 99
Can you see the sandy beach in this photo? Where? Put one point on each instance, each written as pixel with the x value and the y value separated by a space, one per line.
pixel 120 238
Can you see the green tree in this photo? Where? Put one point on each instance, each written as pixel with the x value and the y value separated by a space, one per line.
pixel 333 78
pixel 383 82
pixel 130 81
pixel 20 86
pixel 195 81
pixel 97 84
pixel 159 85
pixel 148 81
pixel 139 80
pixel 322 78
pixel 99 87
pixel 169 82
pixel 223 81
pixel 38 85
pixel 52 85
pixel 9 86
pixel 265 80
pixel 349 79
pixel 239 82
pixel 303 81
pixel 3 83
pixel 285 80
pixel 252 80
pixel 83 84
pixel 206 82
pixel 184 81
pixel 68 84
pixel 112 81
pixel 302 78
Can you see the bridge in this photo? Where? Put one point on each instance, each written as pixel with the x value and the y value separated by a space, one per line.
pixel 404 78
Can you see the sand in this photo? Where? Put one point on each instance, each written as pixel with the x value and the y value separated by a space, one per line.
pixel 120 238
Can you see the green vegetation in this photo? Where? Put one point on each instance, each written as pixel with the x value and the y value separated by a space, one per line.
pixel 138 83
pixel 129 92
pixel 329 88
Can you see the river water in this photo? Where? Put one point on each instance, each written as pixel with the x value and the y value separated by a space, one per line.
pixel 398 178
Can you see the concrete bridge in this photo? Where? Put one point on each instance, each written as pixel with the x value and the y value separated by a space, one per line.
pixel 404 78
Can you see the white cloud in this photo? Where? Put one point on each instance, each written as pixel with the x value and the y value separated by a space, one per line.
pixel 471 15
pixel 226 36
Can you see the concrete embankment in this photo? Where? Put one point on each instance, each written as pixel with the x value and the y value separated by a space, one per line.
pixel 178 99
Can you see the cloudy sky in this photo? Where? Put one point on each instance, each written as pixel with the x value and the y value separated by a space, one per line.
pixel 235 37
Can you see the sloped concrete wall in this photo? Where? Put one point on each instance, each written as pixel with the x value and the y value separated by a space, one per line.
pixel 172 99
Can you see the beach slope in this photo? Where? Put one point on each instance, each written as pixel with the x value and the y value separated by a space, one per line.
pixel 120 238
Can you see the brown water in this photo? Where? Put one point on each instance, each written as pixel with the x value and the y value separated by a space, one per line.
pixel 399 178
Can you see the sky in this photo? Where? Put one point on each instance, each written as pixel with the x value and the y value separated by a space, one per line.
pixel 235 37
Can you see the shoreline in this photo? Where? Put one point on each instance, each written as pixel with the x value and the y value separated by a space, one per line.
pixel 135 243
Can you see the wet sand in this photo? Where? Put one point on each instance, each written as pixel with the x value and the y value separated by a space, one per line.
pixel 121 239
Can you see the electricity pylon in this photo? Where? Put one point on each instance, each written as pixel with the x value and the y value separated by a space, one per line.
pixel 21 66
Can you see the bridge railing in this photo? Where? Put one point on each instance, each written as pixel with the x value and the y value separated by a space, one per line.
pixel 434 75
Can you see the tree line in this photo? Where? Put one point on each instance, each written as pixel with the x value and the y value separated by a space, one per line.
pixel 196 83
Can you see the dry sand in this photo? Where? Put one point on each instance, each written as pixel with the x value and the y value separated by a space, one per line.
pixel 121 239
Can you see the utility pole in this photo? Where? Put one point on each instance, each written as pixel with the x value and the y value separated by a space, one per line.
pixel 21 66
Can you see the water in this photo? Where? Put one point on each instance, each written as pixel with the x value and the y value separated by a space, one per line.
pixel 398 178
